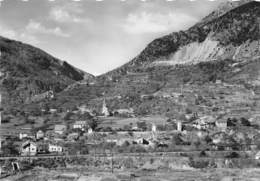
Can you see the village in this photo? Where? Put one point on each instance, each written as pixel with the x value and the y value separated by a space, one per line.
pixel 119 131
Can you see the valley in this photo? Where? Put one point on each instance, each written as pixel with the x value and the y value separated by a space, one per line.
pixel 189 103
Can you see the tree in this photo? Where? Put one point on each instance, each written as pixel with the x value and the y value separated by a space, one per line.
pixel 244 122
pixel 68 116
pixel 92 123
pixel 208 139
pixel 232 122
pixel 10 149
pixel 142 125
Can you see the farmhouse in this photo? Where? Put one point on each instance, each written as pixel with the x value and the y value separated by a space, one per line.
pixel 28 148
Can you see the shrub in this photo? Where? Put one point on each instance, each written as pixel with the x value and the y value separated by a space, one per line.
pixel 198 163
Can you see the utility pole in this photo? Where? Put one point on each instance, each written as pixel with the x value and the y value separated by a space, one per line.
pixel 112 161
pixel 0 131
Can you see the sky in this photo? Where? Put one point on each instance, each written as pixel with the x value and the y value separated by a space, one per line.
pixel 97 36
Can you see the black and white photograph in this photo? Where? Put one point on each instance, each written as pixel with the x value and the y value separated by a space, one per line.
pixel 129 90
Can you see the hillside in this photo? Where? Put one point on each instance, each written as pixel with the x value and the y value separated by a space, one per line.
pixel 193 70
pixel 27 71
pixel 224 48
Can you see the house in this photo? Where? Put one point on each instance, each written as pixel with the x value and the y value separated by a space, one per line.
pixel 28 148
pixel 141 141
pixel 127 112
pixel 73 136
pixel 53 110
pixel 218 81
pixel 179 125
pixel 204 122
pixel 39 134
pixel 257 156
pixel 42 148
pixel 60 128
pixel 221 124
pixel 80 125
pixel 90 130
pixel 23 135
pixel 154 128
pixel 55 148
pixel 26 135
pixel 84 109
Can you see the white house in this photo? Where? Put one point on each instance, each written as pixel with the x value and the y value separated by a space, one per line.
pixel 39 134
pixel 28 148
pixel 25 135
pixel 84 109
pixel 129 111
pixel 257 156
pixel 80 125
pixel 141 141
pixel 55 148
pixel 53 110
pixel 221 124
pixel 60 128
pixel 154 128
pixel 90 130
pixel 179 126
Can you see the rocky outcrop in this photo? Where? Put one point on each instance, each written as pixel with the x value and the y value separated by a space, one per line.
pixel 228 34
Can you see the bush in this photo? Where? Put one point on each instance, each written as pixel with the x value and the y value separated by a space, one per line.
pixel 233 155
pixel 198 163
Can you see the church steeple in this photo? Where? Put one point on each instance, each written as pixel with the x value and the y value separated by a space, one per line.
pixel 105 111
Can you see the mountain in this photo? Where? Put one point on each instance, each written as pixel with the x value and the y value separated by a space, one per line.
pixel 210 68
pixel 223 8
pixel 27 71
pixel 223 47
pixel 227 37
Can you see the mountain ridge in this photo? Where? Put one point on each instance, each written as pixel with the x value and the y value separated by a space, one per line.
pixel 169 44
pixel 27 71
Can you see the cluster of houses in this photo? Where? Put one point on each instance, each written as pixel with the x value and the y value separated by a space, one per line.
pixel 47 142
pixel 50 141
pixel 31 148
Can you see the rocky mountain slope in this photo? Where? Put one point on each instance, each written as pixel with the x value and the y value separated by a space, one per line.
pixel 234 35
pixel 27 71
